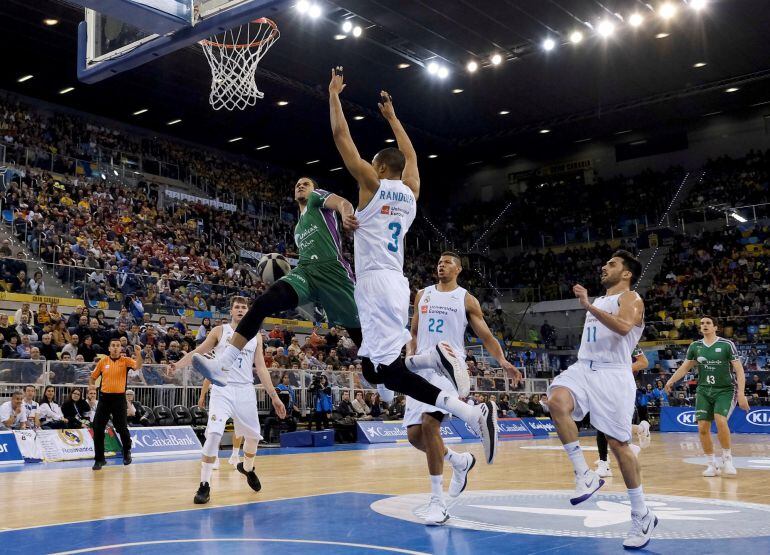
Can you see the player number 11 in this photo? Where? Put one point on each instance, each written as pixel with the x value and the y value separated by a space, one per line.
pixel 591 335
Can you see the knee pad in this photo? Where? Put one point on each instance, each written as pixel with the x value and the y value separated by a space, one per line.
pixel 250 445
pixel 211 445
pixel 371 374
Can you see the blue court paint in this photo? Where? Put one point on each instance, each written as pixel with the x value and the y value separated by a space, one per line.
pixel 337 523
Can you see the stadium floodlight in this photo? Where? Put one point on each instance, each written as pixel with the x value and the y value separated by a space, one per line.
pixel 667 10
pixel 303 6
pixel 431 156
pixel 496 59
pixel 635 19
pixel 457 91
pixel 358 118
pixel 263 147
pixel 340 36
pixel 544 131
pixel 698 5
pixel 24 78
pixel 504 112
pixel 174 122
pixel 576 37
pixel 403 65
pixel 314 11
pixel 357 31
pixel 732 90
pixel 443 72
pixel 699 64
pixel 140 112
pixel 605 28
pixel 235 139
pixel 472 66
pixel 66 90
pixel 433 68
pixel 347 26
pixel 50 22
pixel 549 44
pixel 738 217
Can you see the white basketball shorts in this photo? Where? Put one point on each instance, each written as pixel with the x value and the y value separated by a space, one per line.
pixel 238 402
pixel 382 297
pixel 415 409
pixel 607 392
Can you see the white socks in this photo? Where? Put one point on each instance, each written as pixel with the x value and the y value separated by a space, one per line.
pixel 457 460
pixel 230 355
pixel 428 359
pixel 712 459
pixel 636 495
pixel 576 457
pixel 437 486
pixel 727 454
pixel 248 463
pixel 450 403
pixel 206 470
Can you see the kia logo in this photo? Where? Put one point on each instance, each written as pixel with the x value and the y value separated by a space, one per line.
pixel 759 417
pixel 687 418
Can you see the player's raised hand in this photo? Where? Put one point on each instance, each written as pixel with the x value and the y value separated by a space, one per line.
pixel 386 106
pixel 513 372
pixel 337 84
pixel 280 408
pixel 349 221
pixel 668 387
pixel 743 402
pixel 581 293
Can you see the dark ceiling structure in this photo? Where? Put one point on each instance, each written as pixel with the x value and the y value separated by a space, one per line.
pixel 636 79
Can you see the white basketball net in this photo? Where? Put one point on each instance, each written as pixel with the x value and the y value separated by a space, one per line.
pixel 233 57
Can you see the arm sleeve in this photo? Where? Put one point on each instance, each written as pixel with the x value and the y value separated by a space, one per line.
pixel 98 370
pixel 691 352
pixel 130 363
pixel 733 352
pixel 318 198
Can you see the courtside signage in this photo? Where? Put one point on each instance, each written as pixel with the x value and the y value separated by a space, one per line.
pixel 513 427
pixel 378 431
pixel 164 440
pixel 682 419
pixel 9 450
pixel 540 426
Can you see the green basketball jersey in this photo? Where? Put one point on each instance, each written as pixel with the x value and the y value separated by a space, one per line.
pixel 317 233
pixel 714 362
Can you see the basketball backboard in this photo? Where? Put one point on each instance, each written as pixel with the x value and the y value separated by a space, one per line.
pixel 118 35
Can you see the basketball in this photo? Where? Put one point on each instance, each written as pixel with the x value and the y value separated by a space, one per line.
pixel 273 267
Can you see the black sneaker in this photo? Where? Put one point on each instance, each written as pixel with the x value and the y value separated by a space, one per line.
pixel 251 477
pixel 203 494
pixel 127 458
pixel 98 465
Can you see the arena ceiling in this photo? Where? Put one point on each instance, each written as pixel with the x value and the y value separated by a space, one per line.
pixel 632 80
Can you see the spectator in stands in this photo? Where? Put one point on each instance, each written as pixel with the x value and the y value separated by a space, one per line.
pixel 345 408
pixel 203 330
pixel 25 328
pixel 13 415
pixel 61 335
pixel 284 385
pixel 86 349
pixel 362 409
pixel 10 347
pixel 534 405
pixel 378 407
pixel 23 311
pixel 24 348
pixel 31 406
pixel 397 408
pixel 54 314
pixel 333 359
pixel 72 347
pixel 74 317
pixel 522 407
pixel 6 329
pixel 135 410
pixel 275 336
pixel 323 400
pixel 92 400
pixel 504 406
pixel 19 282
pixel 49 411
pixel 281 358
pixel 659 394
pixel 75 409
pixel 36 284
pixel 755 386
pixel 544 404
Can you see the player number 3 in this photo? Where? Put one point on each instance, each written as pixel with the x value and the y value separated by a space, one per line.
pixel 395 227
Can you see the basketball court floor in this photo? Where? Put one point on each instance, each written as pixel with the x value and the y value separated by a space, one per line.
pixel 354 499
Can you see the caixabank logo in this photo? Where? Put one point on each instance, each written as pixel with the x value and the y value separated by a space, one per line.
pixel 759 417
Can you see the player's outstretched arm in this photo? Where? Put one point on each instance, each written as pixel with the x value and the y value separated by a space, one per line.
pixel 630 313
pixel 479 326
pixel 361 170
pixel 679 374
pixel 345 209
pixel 207 346
pixel 640 363
pixel 266 380
pixel 740 384
pixel 204 390
pixel 411 347
pixel 411 175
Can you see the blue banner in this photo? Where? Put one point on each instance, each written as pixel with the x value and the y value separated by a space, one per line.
pixel 513 427
pixel 393 431
pixel 682 419
pixel 9 450
pixel 540 427
pixel 164 440
pixel 462 429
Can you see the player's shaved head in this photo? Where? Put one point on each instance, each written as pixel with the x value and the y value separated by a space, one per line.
pixel 392 159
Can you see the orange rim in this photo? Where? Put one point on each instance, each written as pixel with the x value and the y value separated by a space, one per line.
pixel 262 20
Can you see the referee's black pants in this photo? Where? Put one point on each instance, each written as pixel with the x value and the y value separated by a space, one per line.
pixel 114 405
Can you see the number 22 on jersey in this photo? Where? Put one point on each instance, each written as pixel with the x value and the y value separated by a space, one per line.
pixel 435 325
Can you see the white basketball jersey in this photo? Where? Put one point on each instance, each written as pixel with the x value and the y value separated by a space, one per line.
pixel 600 343
pixel 382 225
pixel 241 370
pixel 442 318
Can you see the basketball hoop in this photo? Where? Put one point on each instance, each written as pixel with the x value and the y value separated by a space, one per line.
pixel 233 57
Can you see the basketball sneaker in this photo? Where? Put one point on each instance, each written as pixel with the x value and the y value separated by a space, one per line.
pixel 203 494
pixel 643 432
pixel 251 477
pixel 485 427
pixel 585 486
pixel 453 368
pixel 460 476
pixel 210 368
pixel 711 471
pixel 641 530
pixel 436 514
pixel 728 468
pixel 234 460
pixel 603 469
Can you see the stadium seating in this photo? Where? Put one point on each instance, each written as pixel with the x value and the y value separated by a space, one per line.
pixel 163 416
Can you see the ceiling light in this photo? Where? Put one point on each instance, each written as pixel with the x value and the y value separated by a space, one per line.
pixel 338 168
pixel 667 10
pixel 390 140
pixel 510 155
pixel 263 147
pixel 347 27
pixel 443 72
pixel 457 91
pixel 403 66
pixel 235 139
pixel 738 217
pixel 282 102
pixel 340 37
pixel 661 35
pixel 358 118
pixel 357 31
pixel 312 162
pixel 303 6
pixel 24 78
pixel 496 59
pixel 699 64
pixel 66 90
pixel 472 66
pixel 635 19
pixel 174 122
pixel 433 68
pixel 544 131
pixel 314 11
pixel 141 111
pixel 732 90
pixel 712 114
pixel 760 103
pixel 605 28
pixel 549 44
pixel 623 132
pixel 583 140
pixel 432 155
pixel 51 22
pixel 697 5
pixel 576 37
pixel 504 112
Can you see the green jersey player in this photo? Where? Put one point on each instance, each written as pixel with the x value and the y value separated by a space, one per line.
pixel 716 359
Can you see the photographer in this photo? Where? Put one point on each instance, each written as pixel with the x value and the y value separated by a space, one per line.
pixel 322 391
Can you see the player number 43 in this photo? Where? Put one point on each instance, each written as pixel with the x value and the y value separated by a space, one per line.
pixel 711 380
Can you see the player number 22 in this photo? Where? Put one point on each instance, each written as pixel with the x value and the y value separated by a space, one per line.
pixel 435 326
pixel 395 227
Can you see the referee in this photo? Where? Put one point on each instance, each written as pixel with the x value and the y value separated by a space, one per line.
pixel 112 402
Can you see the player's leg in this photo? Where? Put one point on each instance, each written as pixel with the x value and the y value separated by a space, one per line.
pixel 704 414
pixel 284 294
pixel 235 456
pixel 603 464
pixel 246 425
pixel 434 452
pixel 220 410
pixel 724 403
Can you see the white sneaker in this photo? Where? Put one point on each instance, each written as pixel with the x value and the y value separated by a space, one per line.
pixel 485 426
pixel 453 368
pixel 436 514
pixel 460 476
pixel 234 460
pixel 603 469
pixel 216 464
pixel 728 469
pixel 210 368
pixel 641 530
pixel 643 432
pixel 585 486
pixel 635 449
pixel 711 471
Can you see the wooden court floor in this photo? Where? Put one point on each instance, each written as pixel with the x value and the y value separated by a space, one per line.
pixel 54 495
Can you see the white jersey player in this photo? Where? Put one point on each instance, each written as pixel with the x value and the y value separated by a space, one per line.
pixel 236 400
pixel 388 189
pixel 442 312
pixel 600 383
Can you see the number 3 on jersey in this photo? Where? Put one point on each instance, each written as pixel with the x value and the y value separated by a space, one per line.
pixel 395 227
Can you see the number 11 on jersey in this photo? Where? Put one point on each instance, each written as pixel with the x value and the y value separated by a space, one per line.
pixel 591 334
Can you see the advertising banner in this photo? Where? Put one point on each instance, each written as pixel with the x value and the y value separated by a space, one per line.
pixel 393 431
pixel 540 427
pixel 55 445
pixel 9 450
pixel 682 419
pixel 164 440
pixel 513 428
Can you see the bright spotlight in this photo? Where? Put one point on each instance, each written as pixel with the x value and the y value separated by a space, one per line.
pixel 738 217
pixel 605 28
pixel 549 44
pixel 496 59
pixel 576 37
pixel 303 6
pixel 635 20
pixel 697 5
pixel 433 68
pixel 314 11
pixel 472 66
pixel 347 27
pixel 357 31
pixel 667 10
pixel 443 72
pixel 732 90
